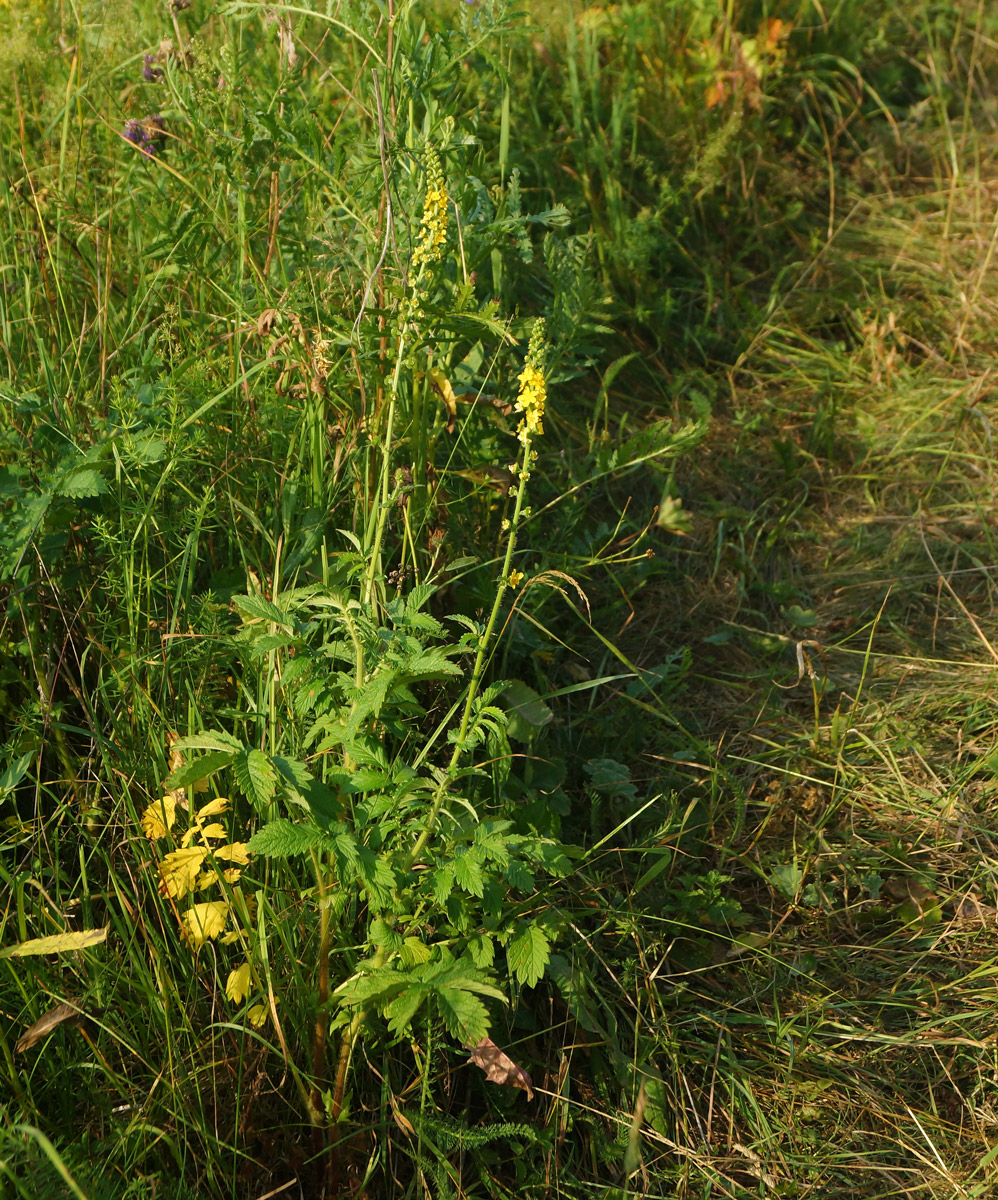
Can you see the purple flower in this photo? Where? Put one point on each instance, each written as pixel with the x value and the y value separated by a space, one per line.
pixel 145 133
pixel 150 72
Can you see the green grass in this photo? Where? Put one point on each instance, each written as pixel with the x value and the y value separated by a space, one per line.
pixel 738 923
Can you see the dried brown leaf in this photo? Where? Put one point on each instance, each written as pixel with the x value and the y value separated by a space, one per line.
pixel 499 1067
pixel 44 1026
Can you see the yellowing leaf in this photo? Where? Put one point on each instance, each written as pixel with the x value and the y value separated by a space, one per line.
pixel 176 758
pixel 238 984
pixel 214 830
pixel 158 818
pixel 443 386
pixel 179 870
pixel 213 808
pixel 207 878
pixel 236 852
pixel 257 1015
pixel 58 943
pixel 204 921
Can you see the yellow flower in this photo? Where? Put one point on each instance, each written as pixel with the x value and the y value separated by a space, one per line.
pixel 515 578
pixel 433 230
pixel 533 390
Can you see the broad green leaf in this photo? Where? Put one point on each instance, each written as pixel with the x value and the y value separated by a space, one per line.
pixel 256 777
pixel 571 981
pixel 527 711
pixel 12 775
pixel 528 954
pixel 193 772
pixel 57 943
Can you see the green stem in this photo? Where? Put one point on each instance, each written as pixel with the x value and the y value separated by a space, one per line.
pixel 477 672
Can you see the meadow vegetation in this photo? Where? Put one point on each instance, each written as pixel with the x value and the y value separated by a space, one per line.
pixel 497 614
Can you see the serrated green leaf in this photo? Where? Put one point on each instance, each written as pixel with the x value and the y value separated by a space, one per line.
pixel 19 530
pixel 528 954
pixel 443 883
pixel 200 768
pixel 208 739
pixel 414 952
pixel 482 950
pixel 468 873
pixel 284 839
pixel 403 1008
pixel 382 934
pixel 256 777
pixel 376 876
pixel 78 483
pixel 464 1015
pixel 431 663
pixel 258 609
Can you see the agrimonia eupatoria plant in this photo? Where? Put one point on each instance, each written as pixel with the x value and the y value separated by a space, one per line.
pixel 364 762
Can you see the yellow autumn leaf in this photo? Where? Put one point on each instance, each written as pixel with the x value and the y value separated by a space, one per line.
pixel 158 818
pixel 257 1015
pixel 57 943
pixel 213 808
pixel 204 921
pixel 238 984
pixel 179 870
pixel 207 878
pixel 214 830
pixel 235 852
pixel 176 758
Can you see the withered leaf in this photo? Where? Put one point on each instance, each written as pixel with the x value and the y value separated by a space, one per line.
pixel 499 1067
pixel 44 1025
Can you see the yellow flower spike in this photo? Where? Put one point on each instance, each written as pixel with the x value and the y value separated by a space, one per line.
pixel 533 389
pixel 204 921
pixel 515 578
pixel 433 229
pixel 239 983
pixel 158 819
